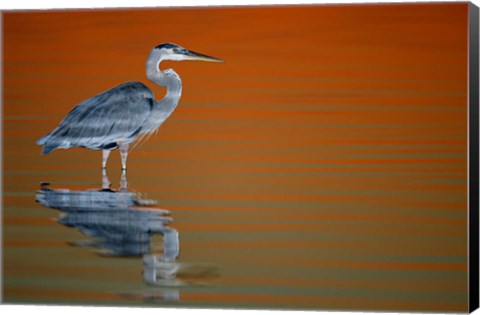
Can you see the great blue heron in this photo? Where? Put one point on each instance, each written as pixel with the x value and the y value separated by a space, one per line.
pixel 128 112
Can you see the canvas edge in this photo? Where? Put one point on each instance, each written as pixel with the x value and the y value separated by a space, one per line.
pixel 1 156
pixel 473 163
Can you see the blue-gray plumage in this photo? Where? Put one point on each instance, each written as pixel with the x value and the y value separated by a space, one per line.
pixel 124 114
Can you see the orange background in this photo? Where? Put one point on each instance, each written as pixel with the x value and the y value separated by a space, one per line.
pixel 352 118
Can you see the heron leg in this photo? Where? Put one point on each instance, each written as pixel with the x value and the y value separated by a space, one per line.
pixel 105 181
pixel 105 155
pixel 123 155
pixel 123 181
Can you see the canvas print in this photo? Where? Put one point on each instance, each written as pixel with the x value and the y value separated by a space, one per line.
pixel 310 157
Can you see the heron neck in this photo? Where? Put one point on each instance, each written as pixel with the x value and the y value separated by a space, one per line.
pixel 164 107
pixel 167 78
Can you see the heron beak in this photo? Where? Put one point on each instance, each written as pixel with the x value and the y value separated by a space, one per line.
pixel 197 56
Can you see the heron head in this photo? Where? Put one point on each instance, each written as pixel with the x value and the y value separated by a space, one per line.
pixel 175 52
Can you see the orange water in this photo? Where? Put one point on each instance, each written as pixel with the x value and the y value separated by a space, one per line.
pixel 323 165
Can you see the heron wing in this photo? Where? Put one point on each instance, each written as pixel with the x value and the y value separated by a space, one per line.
pixel 102 121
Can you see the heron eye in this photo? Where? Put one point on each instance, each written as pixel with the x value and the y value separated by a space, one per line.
pixel 175 50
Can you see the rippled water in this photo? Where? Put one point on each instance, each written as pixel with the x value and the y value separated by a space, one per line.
pixel 322 166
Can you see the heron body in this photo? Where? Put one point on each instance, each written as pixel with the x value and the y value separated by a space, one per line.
pixel 124 114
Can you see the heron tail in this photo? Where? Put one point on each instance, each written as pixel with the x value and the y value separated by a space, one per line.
pixel 43 139
pixel 47 148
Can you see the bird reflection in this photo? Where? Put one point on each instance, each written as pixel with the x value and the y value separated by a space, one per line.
pixel 118 222
pixel 122 223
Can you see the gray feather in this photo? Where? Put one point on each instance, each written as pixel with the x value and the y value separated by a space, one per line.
pixel 103 120
pixel 126 113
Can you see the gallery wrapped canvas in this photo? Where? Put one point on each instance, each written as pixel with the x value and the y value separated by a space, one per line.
pixel 308 157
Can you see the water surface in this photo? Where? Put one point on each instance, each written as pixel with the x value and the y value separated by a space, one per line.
pixel 322 166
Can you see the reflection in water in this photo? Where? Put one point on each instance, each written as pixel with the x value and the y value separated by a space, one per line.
pixel 118 221
pixel 160 272
pixel 121 223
